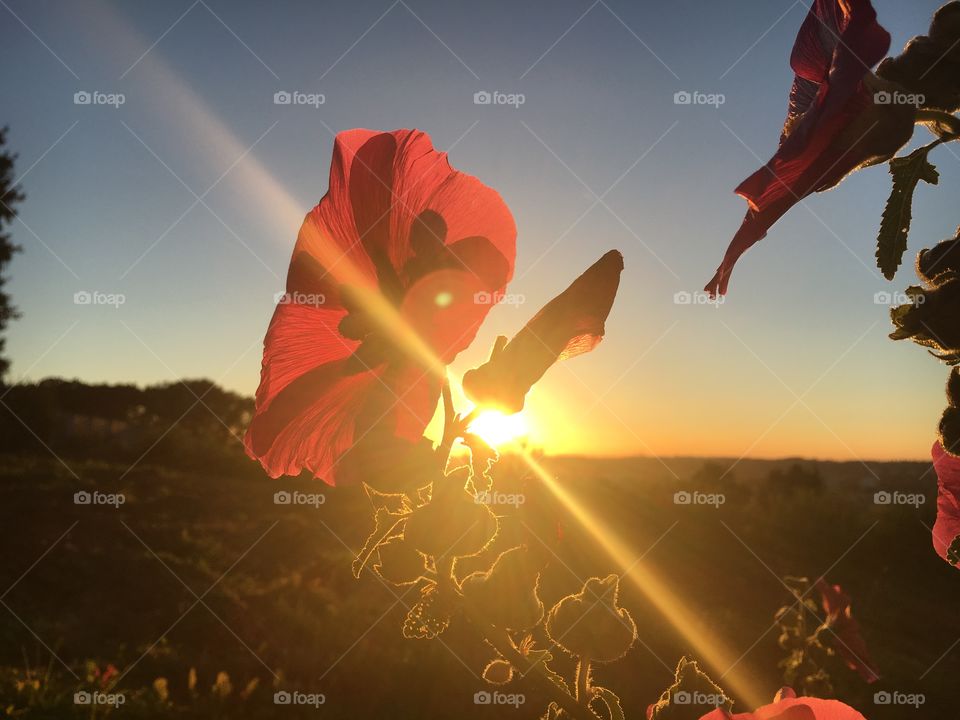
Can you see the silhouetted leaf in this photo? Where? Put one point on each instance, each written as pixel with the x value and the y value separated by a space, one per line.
pixel 386 523
pixel 892 239
pixel 612 701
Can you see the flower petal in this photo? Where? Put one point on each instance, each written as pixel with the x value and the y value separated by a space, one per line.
pixel 831 127
pixel 802 708
pixel 946 529
pixel 446 308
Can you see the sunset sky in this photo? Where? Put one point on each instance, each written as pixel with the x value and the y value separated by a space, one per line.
pixel 186 200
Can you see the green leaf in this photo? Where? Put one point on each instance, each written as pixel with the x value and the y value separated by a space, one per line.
pixel 612 701
pixel 386 523
pixel 907 172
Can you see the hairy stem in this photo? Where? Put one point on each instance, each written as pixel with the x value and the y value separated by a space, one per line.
pixel 533 673
pixel 582 680
pixel 944 123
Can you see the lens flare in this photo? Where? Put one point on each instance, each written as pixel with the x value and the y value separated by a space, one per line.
pixel 499 429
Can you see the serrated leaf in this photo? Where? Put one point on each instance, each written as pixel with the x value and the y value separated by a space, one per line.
pixel 428 618
pixel 386 524
pixel 907 172
pixel 539 659
pixel 612 701
pixel 394 502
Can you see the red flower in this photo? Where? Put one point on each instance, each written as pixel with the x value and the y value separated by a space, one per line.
pixel 381 296
pixel 844 631
pixel 946 530
pixel 787 706
pixel 833 124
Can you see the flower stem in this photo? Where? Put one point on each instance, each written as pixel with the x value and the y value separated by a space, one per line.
pixel 945 121
pixel 582 681
pixel 534 673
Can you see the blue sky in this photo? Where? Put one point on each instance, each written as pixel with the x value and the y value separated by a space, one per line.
pixel 796 362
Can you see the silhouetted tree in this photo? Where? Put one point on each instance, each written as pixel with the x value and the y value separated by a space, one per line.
pixel 10 195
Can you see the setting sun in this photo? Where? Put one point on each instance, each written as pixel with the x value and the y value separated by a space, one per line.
pixel 499 429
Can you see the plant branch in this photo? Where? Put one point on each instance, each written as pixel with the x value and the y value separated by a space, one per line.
pixel 582 681
pixel 534 673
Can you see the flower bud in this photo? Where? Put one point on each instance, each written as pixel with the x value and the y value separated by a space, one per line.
pixel 506 595
pixel 498 672
pixel 953 388
pixel 591 624
pixel 949 430
pixel 929 65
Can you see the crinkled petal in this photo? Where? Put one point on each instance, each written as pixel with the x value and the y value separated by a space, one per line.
pixel 946 529
pixel 801 708
pixel 838 44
